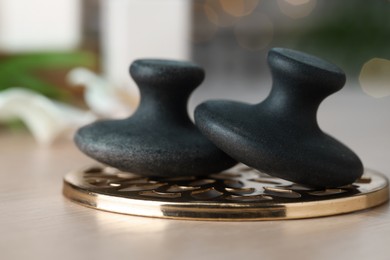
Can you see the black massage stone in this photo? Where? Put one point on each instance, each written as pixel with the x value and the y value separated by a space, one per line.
pixel 159 139
pixel 281 136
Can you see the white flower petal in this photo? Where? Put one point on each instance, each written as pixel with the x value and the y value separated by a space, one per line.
pixel 46 119
pixel 102 97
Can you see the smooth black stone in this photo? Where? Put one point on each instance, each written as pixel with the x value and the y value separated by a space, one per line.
pixel 280 135
pixel 159 139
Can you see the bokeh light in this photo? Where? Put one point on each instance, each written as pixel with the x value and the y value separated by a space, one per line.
pixel 239 8
pixel 254 32
pixel 296 8
pixel 206 21
pixel 224 19
pixel 374 77
pixel 297 2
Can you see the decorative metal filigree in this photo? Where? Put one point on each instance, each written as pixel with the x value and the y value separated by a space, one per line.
pixel 238 184
pixel 236 189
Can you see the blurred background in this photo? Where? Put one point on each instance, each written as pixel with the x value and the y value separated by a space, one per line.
pixel 65 62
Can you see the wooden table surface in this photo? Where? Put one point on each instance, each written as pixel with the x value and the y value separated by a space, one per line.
pixel 37 222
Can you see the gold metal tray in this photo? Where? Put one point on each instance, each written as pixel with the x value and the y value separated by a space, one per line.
pixel 238 194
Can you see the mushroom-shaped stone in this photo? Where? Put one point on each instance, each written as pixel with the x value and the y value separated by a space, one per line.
pixel 280 135
pixel 159 139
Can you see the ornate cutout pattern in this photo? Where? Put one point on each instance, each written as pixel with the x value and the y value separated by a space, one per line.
pixel 239 184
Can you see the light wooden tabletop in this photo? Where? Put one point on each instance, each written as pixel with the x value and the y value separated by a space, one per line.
pixel 37 222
